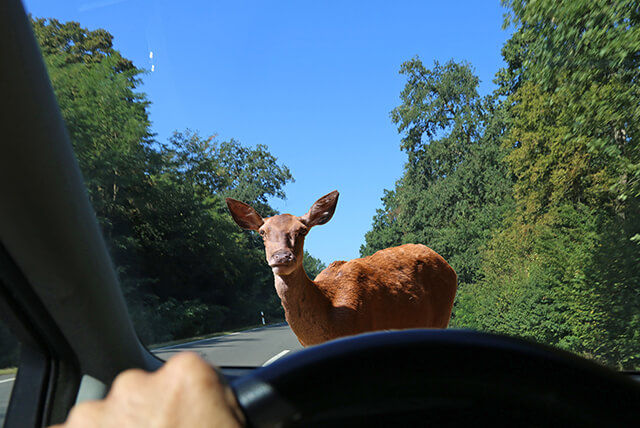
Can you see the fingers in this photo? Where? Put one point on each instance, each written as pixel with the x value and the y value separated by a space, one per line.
pixel 83 415
pixel 192 369
pixel 186 391
pixel 203 384
pixel 128 380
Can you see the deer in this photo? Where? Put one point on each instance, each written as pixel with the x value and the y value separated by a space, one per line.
pixel 409 286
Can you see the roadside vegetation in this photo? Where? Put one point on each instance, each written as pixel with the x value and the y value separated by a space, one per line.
pixel 532 193
pixel 185 267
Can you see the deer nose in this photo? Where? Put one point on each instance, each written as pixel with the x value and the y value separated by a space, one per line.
pixel 282 257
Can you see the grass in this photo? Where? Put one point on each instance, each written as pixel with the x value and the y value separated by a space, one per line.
pixel 8 370
pixel 206 336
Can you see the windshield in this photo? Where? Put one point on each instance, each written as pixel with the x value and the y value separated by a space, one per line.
pixel 504 137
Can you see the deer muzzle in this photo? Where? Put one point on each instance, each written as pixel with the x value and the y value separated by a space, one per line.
pixel 282 258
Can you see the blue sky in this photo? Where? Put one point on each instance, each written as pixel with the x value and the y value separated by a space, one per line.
pixel 314 81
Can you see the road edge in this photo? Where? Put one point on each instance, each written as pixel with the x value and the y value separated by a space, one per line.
pixel 179 345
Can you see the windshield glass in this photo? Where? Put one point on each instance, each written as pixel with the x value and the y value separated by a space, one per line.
pixel 504 137
pixel 10 349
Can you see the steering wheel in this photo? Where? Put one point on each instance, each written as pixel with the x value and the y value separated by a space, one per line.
pixel 436 378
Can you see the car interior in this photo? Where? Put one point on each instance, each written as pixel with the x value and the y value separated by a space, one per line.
pixel 60 297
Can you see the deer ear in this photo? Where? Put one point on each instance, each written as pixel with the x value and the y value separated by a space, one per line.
pixel 322 210
pixel 244 215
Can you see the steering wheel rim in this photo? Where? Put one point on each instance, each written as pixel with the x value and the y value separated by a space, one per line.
pixel 436 372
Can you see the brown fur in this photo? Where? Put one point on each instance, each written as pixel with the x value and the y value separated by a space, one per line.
pixel 410 286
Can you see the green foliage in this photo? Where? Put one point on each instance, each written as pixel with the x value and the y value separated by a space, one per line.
pixel 196 318
pixel 454 188
pixel 588 52
pixel 440 101
pixel 533 278
pixel 76 44
pixel 550 166
pixel 312 266
pixel 106 119
pixel 185 267
pixel 386 231
pixel 227 168
pixel 563 269
pixel 533 194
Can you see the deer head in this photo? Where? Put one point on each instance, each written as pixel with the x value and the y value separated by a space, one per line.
pixel 284 234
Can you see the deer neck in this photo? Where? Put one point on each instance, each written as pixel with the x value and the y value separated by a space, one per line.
pixel 306 307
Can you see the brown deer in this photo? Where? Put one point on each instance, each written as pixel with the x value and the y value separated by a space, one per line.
pixel 410 286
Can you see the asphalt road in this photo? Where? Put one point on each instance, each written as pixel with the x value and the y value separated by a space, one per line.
pixel 247 348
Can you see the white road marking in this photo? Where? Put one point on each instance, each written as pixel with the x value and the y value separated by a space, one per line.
pixel 7 380
pixel 275 357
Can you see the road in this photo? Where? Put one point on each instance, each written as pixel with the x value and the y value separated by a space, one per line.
pixel 253 348
pixel 248 348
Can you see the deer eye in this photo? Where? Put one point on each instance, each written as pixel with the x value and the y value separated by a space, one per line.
pixel 302 232
pixel 262 233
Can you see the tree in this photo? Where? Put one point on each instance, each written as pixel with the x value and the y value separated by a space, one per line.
pixel 189 239
pixel 185 267
pixel 589 52
pixel 228 168
pixel 455 187
pixel 312 266
pixel 561 269
pixel 106 119
pixel 108 126
pixel 385 231
pixel 575 122
pixel 532 193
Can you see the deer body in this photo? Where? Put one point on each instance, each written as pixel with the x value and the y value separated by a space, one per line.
pixel 409 286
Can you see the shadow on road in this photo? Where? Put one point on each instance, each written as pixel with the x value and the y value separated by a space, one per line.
pixel 250 348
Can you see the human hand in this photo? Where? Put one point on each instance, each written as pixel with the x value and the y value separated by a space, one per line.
pixel 185 392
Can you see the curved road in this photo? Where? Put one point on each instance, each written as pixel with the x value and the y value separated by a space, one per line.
pixel 251 348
